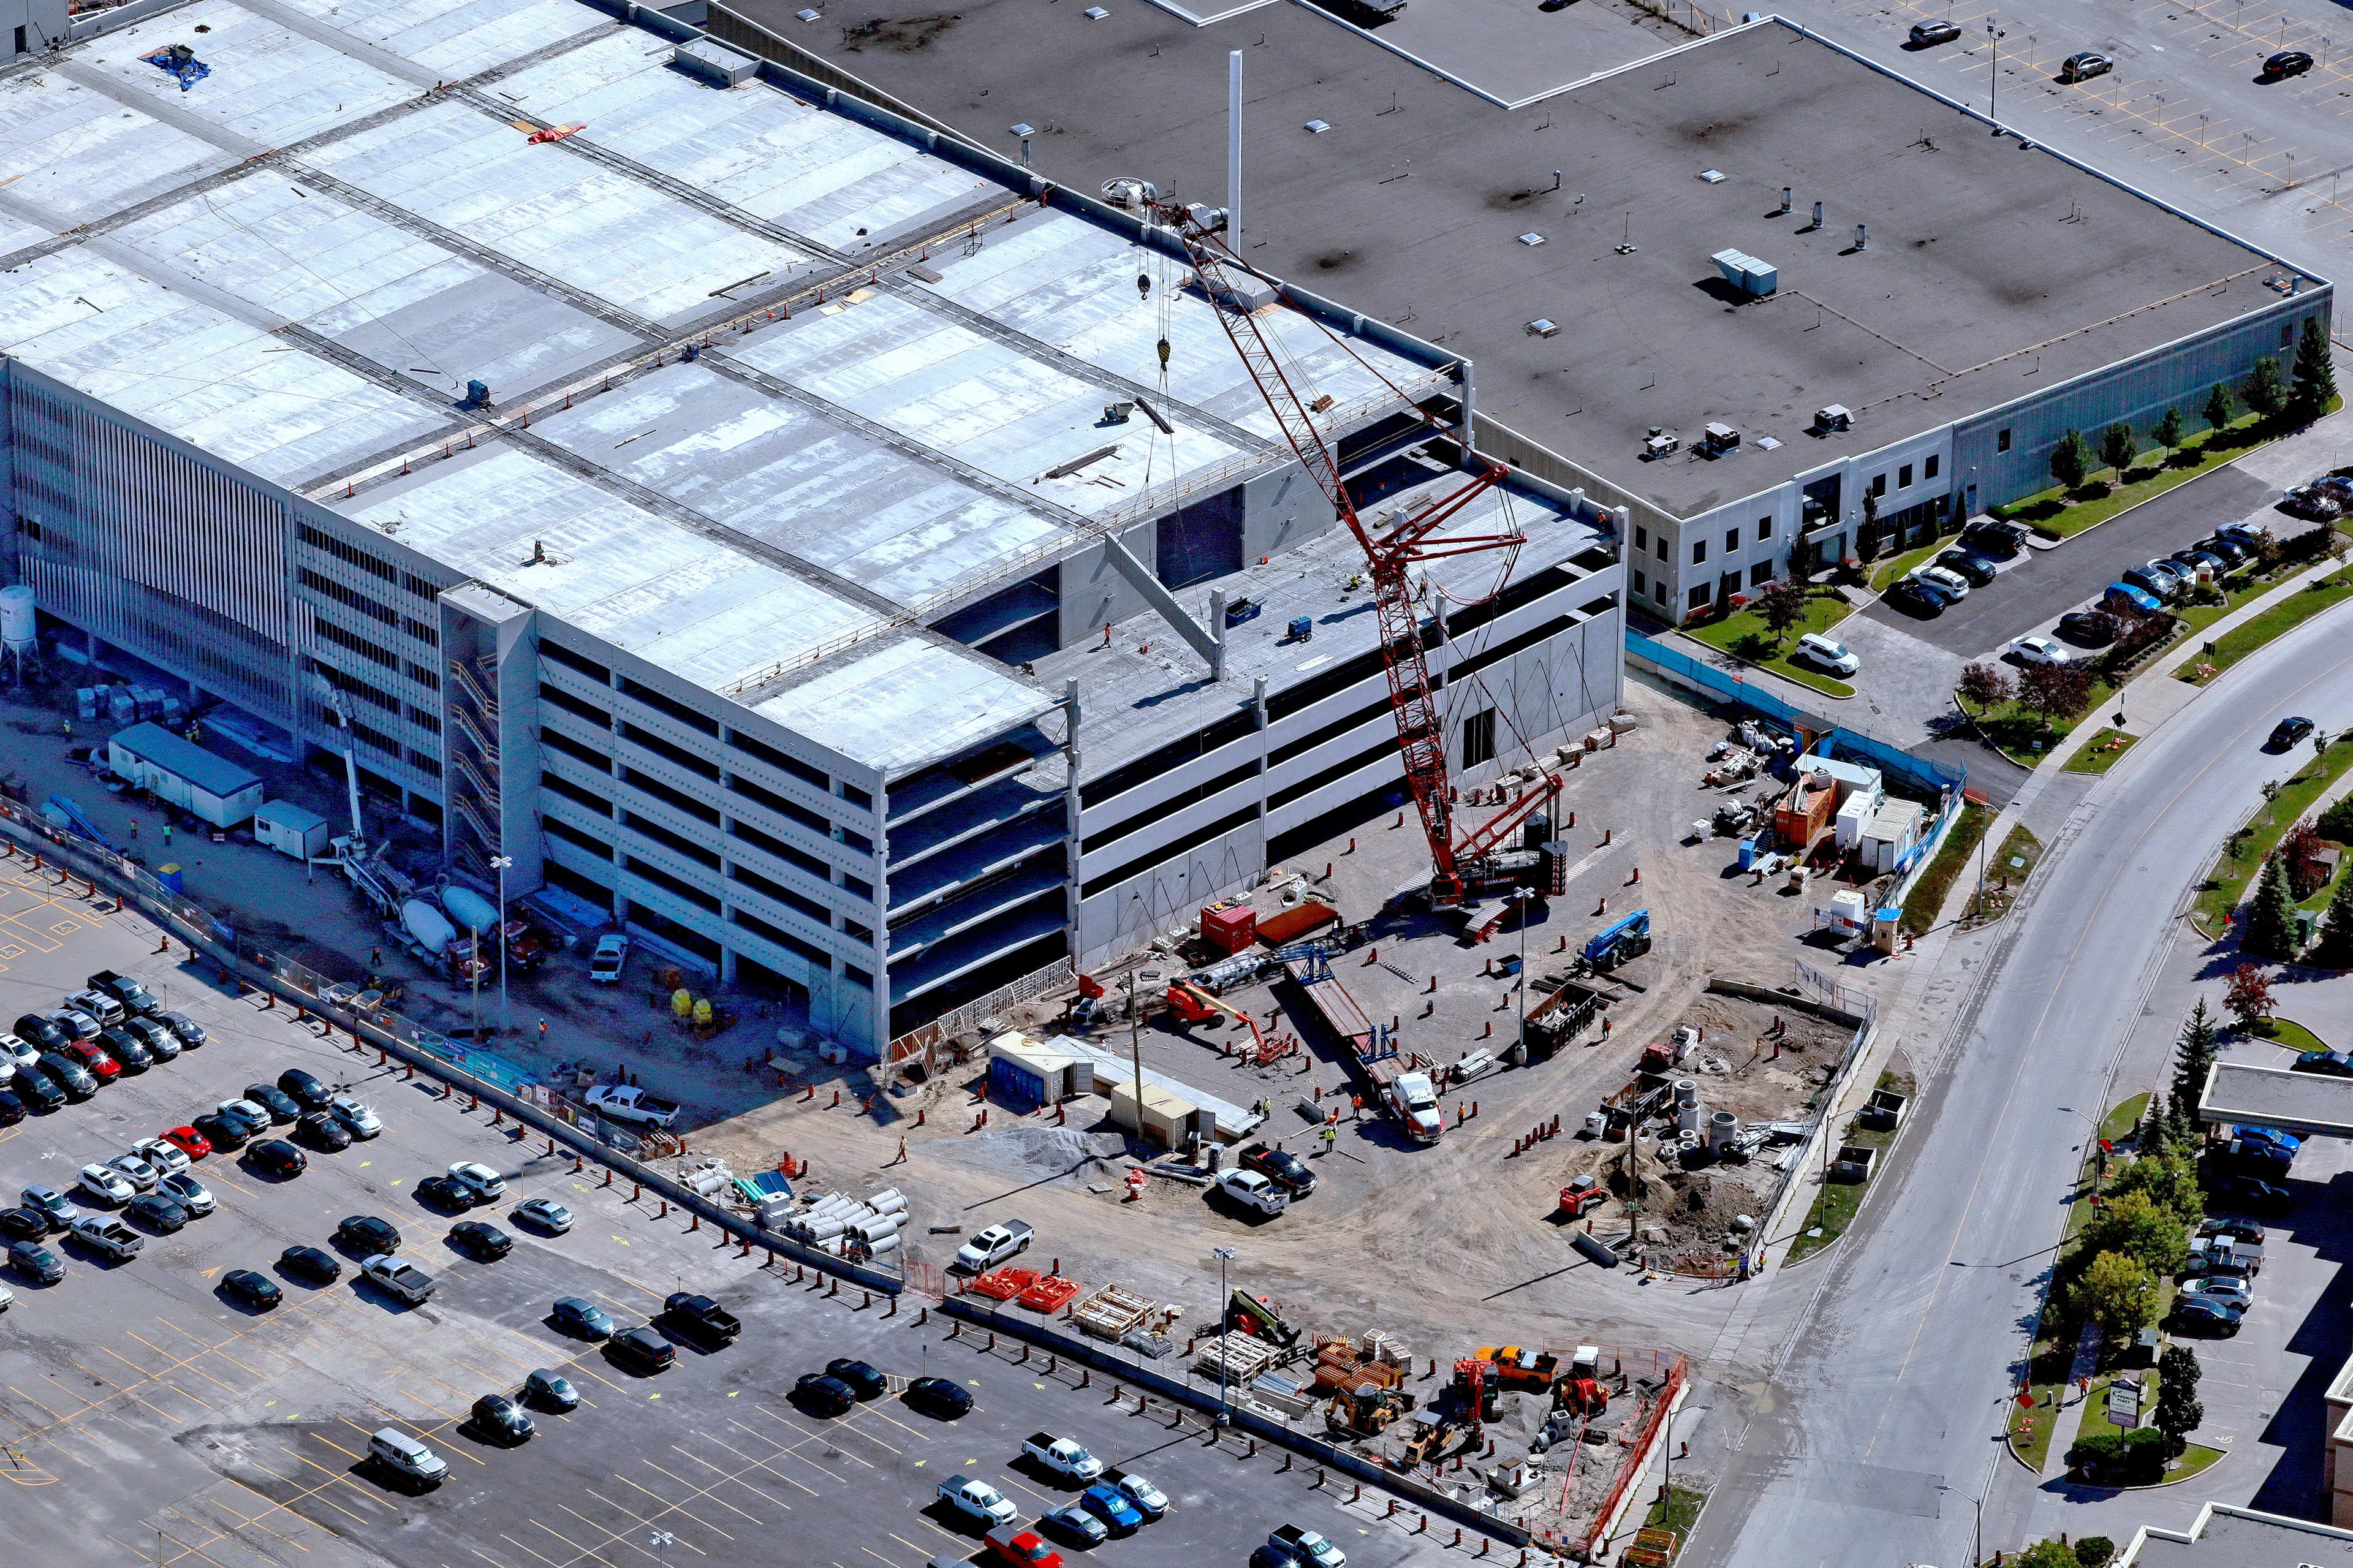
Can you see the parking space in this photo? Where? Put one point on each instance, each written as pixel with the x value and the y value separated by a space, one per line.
pixel 146 1415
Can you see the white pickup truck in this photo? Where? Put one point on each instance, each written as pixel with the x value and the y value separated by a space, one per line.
pixel 1062 1456
pixel 620 1102
pixel 400 1279
pixel 976 1498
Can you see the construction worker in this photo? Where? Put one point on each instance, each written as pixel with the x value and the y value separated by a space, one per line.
pixel 682 1003
pixel 702 1012
pixel 1331 1136
pixel 167 836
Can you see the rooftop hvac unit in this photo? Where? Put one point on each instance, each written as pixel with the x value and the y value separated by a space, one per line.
pixel 1659 444
pixel 1834 417
pixel 1747 273
pixel 716 62
pixel 1717 440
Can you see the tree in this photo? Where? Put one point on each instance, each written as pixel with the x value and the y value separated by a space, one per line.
pixel 2313 379
pixel 2335 948
pixel 2070 459
pixel 2336 822
pixel 2119 1294
pixel 2094 1552
pixel 2171 429
pixel 2300 852
pixel 2047 1554
pixel 1780 604
pixel 2270 929
pixel 2165 1179
pixel 2193 1056
pixel 2219 410
pixel 1989 684
pixel 2179 1412
pixel 2119 447
pixel 2136 1226
pixel 2057 691
pixel 2250 996
pixel 2262 392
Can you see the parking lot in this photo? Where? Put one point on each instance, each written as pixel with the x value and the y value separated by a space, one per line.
pixel 148 1417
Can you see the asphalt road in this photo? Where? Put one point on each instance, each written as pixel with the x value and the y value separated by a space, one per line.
pixel 2050 582
pixel 1893 1386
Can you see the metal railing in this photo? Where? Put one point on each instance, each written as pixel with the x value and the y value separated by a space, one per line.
pixel 918 1041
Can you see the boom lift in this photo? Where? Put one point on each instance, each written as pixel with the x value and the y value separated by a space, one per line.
pixel 1458 864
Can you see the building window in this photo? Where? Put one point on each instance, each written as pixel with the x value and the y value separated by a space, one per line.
pixel 1904 477
pixel 1696 597
pixel 1760 573
pixel 1659 590
pixel 1479 738
pixel 1699 550
pixel 1731 541
pixel 1879 484
pixel 1764 529
pixel 1642 537
pixel 2001 441
pixel 1641 587
pixel 1928 466
pixel 2287 334
pixel 1662 548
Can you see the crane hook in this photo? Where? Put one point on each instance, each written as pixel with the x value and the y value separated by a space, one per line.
pixel 1164 354
pixel 1144 286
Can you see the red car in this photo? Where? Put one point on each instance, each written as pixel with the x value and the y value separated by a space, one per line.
pixel 1022 1548
pixel 102 1067
pixel 189 1142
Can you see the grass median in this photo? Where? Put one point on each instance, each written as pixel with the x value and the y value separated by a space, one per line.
pixel 1835 1206
pixel 2259 629
pixel 1927 896
pixel 2005 876
pixel 1744 634
pixel 2101 753
pixel 2244 851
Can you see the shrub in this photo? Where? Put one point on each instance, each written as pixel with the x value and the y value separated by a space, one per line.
pixel 2094 1551
pixel 1989 684
pixel 2145 1450
pixel 2100 1451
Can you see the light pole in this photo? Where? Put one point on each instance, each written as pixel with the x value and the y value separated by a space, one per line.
pixel 1994 36
pixel 660 1542
pixel 1976 1524
pixel 2099 1155
pixel 1225 1302
pixel 500 863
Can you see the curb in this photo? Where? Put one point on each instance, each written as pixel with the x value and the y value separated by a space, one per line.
pixel 2251 451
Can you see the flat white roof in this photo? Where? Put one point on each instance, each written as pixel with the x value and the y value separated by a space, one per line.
pixel 299 262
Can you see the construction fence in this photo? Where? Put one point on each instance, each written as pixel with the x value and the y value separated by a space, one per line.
pixel 40 847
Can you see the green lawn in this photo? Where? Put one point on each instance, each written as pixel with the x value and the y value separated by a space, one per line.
pixel 2292 1036
pixel 2281 619
pixel 1745 635
pixel 1888 571
pixel 2005 874
pixel 2243 852
pixel 1836 1204
pixel 2024 736
pixel 1677 1511
pixel 2061 514
pixel 1927 896
pixel 2101 753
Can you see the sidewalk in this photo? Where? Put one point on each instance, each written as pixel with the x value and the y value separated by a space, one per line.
pixel 2070 1417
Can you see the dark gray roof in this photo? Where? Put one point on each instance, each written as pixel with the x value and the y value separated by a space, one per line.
pixel 2223 1537
pixel 216 776
pixel 1992 268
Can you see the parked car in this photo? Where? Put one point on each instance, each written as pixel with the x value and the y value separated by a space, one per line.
pixel 322 1131
pixel 2287 732
pixel 612 954
pixel 1916 597
pixel 978 1500
pixel 53 1204
pixel 399 1278
pixel 1022 1548
pixel 24 1224
pixel 1952 583
pixel 1148 1498
pixel 367 1235
pixel 824 1396
pixel 545 1213
pixel 1110 1505
pixel 305 1088
pixel 40 1033
pixel 2286 64
pixel 486 1242
pixel 578 1315
pixel 109 1236
pixel 12 1106
pixel 277 1158
pixel 2040 650
pixel 312 1263
pixel 38 1090
pixel 1826 654
pixel 482 1183
pixel 359 1120
pixel 246 1114
pixel 106 1184
pixel 1970 565
pixel 276 1103
pixel 156 1036
pixel 2162 585
pixel 502 1419
pixel 1297 1545
pixel 2128 597
pixel 861 1379
pixel 1928 35
pixel 940 1396
pixel 166 1157
pixel 619 1102
pixel 94 1059
pixel 2229 1287
pixel 35 1262
pixel 550 1390
pixel 1072 1522
pixel 218 1132
pixel 2236 1229
pixel 2250 1192
pixel 191 1033
pixel 158 1212
pixel 993 1246
pixel 643 1348
pixel 188 1192
pixel 126 1049
pixel 76 1024
pixel 1281 1166
pixel 2230 549
pixel 2085 66
pixel 2201 1316
pixel 141 1174
pixel 1064 1457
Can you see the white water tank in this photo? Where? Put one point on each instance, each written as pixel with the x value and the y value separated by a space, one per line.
pixel 1723 1131
pixel 17 619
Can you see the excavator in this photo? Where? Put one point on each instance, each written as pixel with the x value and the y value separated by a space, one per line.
pixel 1193 1004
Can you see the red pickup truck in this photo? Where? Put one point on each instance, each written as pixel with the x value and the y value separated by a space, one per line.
pixel 1022 1548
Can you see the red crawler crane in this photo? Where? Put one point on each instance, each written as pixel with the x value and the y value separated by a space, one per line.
pixel 1391 552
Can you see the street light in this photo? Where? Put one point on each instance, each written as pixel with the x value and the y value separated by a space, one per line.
pixel 1977 1525
pixel 1994 36
pixel 500 863
pixel 2099 1154
pixel 1225 1255
pixel 660 1542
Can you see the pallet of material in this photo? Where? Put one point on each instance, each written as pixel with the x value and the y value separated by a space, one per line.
pixel 1241 1357
pixel 1112 1313
pixel 1051 1293
pixel 1337 1366
pixel 1004 1284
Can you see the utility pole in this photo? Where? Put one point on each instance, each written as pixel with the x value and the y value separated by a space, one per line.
pixel 1135 1050
pixel 500 863
pixel 1225 1305
pixel 1994 36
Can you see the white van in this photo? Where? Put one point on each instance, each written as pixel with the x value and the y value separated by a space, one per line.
pixel 1823 653
pixel 404 1453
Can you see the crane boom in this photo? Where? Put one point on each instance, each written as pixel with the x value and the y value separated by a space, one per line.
pixel 1390 552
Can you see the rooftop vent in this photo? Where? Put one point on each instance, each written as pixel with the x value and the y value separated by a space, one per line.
pixel 1318 127
pixel 809 15
pixel 1747 273
pixel 1834 417
pixel 715 63
pixel 1095 13
pixel 1542 327
pixel 1532 238
pixel 1712 176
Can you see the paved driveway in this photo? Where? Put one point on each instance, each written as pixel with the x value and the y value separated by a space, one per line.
pixel 2050 582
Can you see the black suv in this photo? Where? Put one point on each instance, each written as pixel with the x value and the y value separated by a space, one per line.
pixel 275 1100
pixel 305 1088
pixel 127 1048
pixel 277 1157
pixel 368 1236
pixel 43 1034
